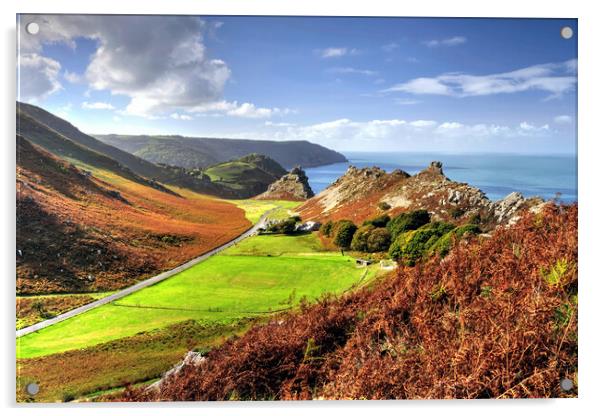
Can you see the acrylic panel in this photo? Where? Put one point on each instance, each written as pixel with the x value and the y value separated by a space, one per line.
pixel 295 208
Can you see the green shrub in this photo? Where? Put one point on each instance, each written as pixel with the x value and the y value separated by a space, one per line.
pixel 379 240
pixel 360 238
pixel 326 228
pixel 410 248
pixel 396 248
pixel 445 242
pixel 380 221
pixel 343 232
pixel 407 221
pixel 284 227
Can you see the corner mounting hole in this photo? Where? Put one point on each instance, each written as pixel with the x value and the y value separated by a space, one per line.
pixel 566 384
pixel 566 32
pixel 32 28
pixel 32 389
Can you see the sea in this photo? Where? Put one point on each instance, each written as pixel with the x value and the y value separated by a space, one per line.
pixel 546 176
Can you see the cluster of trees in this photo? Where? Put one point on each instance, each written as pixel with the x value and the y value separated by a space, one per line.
pixel 407 237
pixel 287 226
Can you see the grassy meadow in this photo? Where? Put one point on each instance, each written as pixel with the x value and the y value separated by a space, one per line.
pixel 255 208
pixel 260 275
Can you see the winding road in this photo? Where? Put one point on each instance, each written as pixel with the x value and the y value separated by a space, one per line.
pixel 145 283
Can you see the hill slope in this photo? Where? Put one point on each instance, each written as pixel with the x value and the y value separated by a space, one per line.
pixel 77 232
pixel 65 140
pixel 248 176
pixel 364 193
pixel 198 152
pixel 484 323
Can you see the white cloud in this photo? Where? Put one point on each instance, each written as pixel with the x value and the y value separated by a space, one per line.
pixel 178 116
pixel 38 77
pixel 344 130
pixel 72 77
pixel 271 123
pixel 422 86
pixel 532 128
pixel 563 119
pixel 245 110
pixel 405 101
pixel 350 70
pixel 162 69
pixel 453 41
pixel 553 78
pixel 336 52
pixel 97 106
pixel 422 123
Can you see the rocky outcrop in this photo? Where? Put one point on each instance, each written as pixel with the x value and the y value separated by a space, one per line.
pixel 294 186
pixel 191 359
pixel 362 193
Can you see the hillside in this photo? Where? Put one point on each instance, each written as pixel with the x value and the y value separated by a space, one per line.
pixel 246 177
pixel 364 193
pixel 65 140
pixel 485 323
pixel 198 152
pixel 81 231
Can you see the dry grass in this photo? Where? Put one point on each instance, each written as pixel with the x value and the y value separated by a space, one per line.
pixel 496 319
pixel 102 232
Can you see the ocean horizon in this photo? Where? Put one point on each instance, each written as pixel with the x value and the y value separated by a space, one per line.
pixel 496 174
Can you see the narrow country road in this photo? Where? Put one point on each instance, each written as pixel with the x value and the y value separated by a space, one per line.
pixel 145 283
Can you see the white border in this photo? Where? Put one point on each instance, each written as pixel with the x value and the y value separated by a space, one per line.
pixel 590 32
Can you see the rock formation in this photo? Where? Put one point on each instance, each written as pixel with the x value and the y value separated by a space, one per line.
pixel 294 186
pixel 362 193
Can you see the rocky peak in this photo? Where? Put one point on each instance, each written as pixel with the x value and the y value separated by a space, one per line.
pixel 293 186
pixel 435 168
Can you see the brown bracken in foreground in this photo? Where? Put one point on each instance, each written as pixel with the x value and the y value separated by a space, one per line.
pixel 497 318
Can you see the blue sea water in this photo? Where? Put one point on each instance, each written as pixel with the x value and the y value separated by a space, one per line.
pixel 495 174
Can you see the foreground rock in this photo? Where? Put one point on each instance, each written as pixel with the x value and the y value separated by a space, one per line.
pixel 294 186
pixel 362 193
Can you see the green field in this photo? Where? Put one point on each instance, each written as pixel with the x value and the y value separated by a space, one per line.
pixel 254 209
pixel 260 275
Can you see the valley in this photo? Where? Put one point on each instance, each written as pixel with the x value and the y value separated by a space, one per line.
pixel 125 266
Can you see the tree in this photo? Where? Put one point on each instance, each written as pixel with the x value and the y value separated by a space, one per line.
pixel 380 221
pixel 326 228
pixel 379 240
pixel 360 238
pixel 343 233
pixel 408 221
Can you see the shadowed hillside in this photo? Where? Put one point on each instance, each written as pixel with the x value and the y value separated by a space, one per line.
pixel 77 232
pixel 496 319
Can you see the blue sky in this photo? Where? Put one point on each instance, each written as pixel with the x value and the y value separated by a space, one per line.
pixel 400 84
